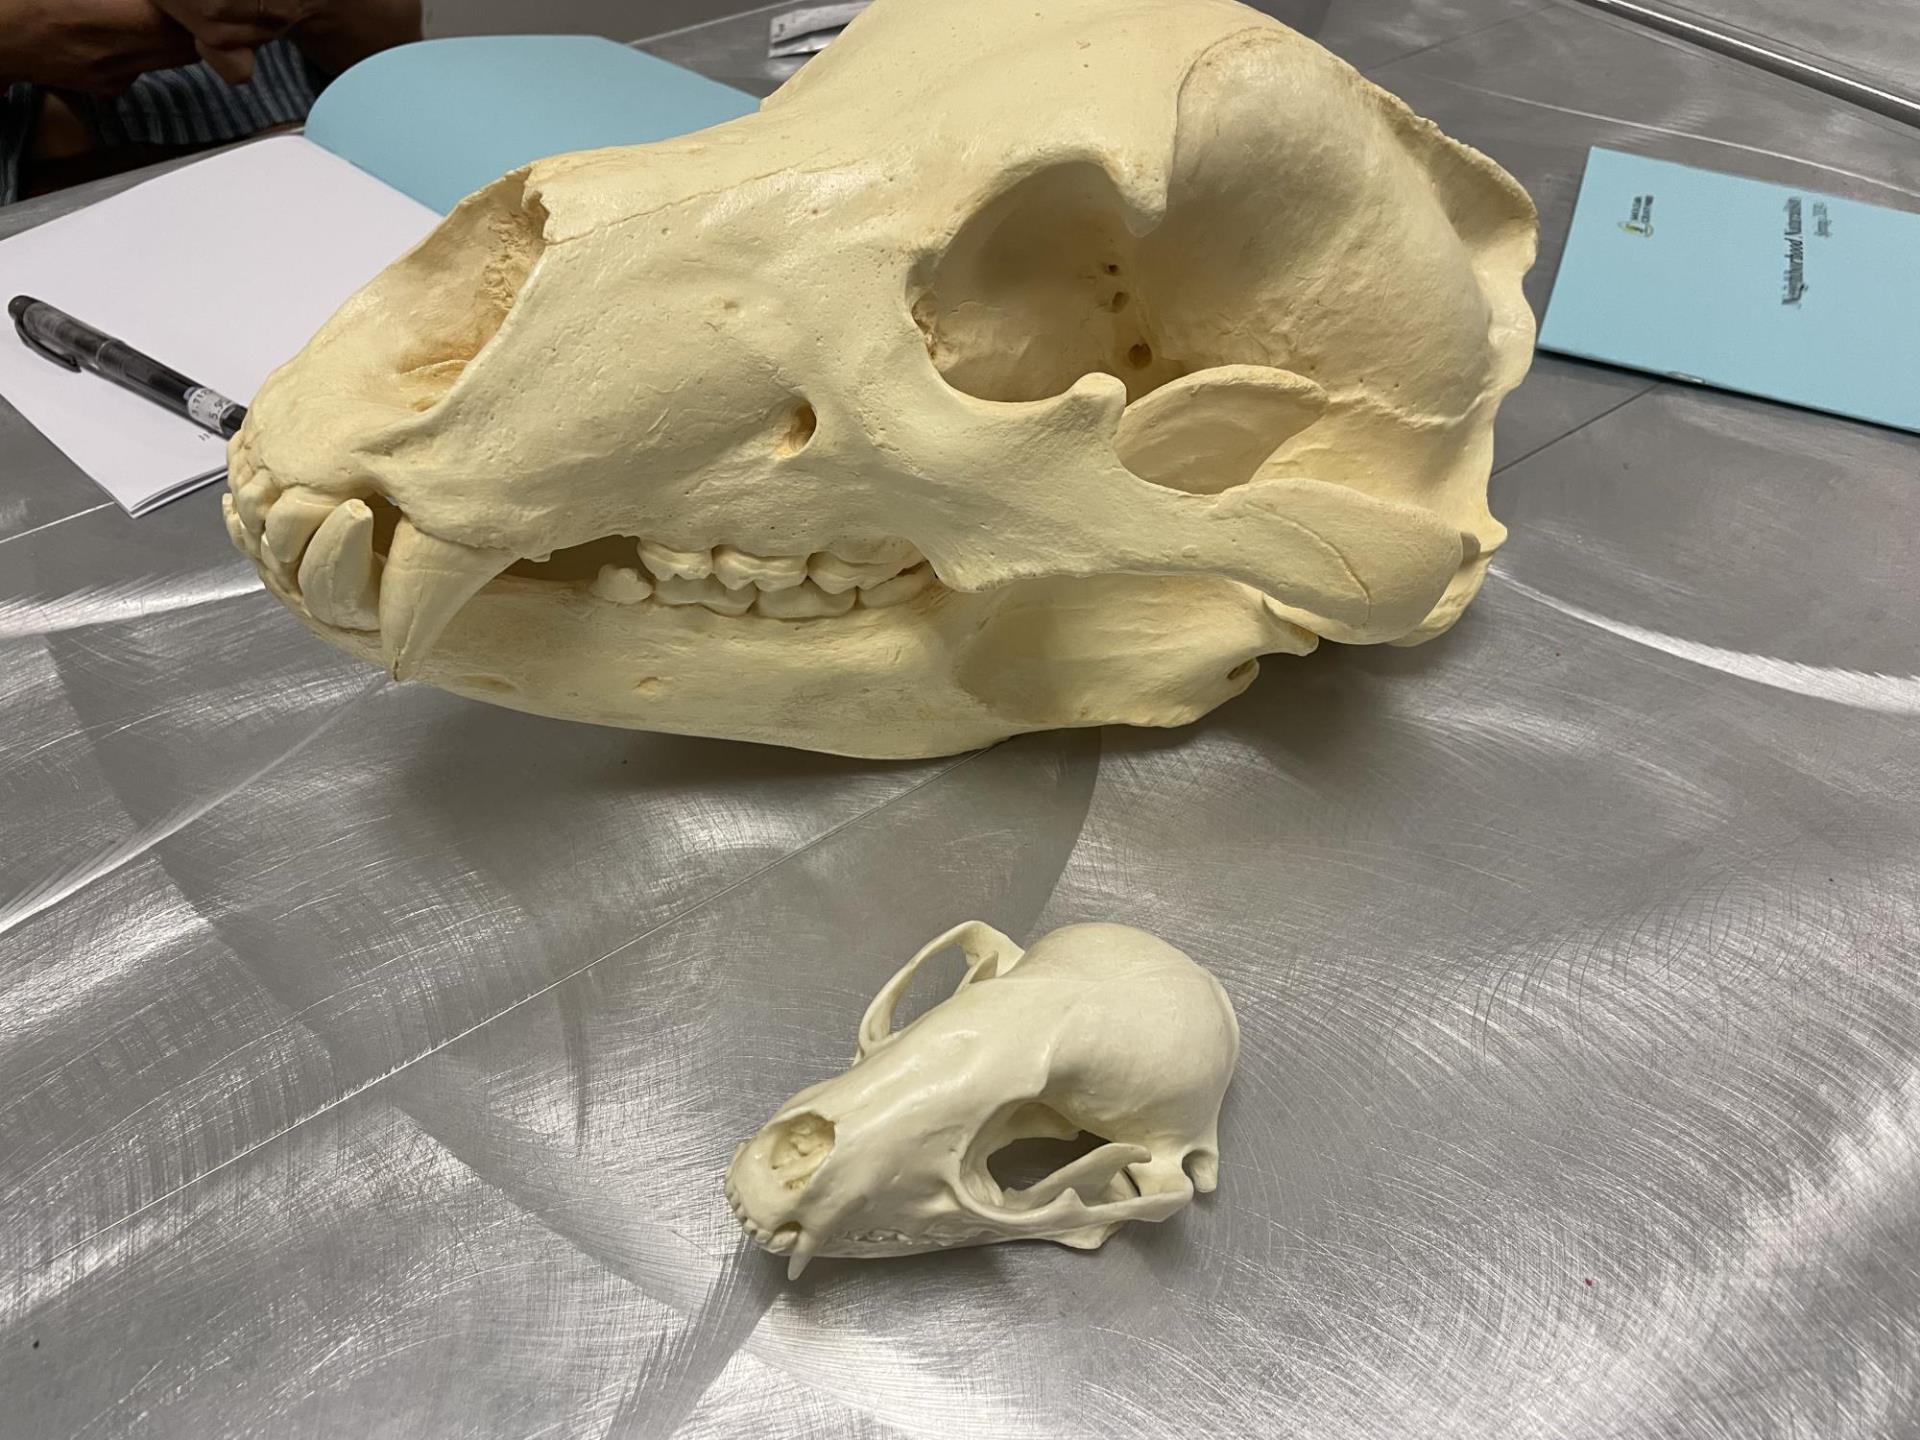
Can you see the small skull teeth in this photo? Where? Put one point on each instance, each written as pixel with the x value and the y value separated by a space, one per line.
pixel 781 1241
pixel 883 1237
pixel 355 569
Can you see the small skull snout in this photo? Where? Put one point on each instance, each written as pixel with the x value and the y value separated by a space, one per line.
pixel 800 1144
pixel 770 1171
pixel 768 1179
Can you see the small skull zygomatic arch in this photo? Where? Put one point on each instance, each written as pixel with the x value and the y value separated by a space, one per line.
pixel 1097 1029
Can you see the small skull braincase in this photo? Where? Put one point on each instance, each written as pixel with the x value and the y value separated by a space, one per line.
pixel 1097 1029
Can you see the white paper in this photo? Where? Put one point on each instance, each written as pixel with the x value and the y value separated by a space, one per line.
pixel 221 270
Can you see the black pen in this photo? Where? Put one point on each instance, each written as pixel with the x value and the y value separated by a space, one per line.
pixel 78 346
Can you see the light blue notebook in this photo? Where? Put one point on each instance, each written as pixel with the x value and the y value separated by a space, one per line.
pixel 440 119
pixel 1748 286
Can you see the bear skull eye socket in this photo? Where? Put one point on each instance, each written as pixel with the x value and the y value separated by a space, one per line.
pixel 1027 297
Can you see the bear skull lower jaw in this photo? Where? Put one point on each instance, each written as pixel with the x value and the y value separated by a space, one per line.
pixel 826 429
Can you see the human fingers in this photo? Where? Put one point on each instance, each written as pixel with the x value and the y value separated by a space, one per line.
pixel 233 24
pixel 233 65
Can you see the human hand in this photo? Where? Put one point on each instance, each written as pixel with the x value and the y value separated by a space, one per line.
pixel 97 46
pixel 227 32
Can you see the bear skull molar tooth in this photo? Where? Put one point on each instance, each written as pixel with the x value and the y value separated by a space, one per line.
pixel 805 601
pixel 868 335
pixel 664 562
pixel 836 576
pixel 737 568
pixel 707 591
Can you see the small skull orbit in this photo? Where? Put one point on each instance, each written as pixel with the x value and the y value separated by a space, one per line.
pixel 896 418
pixel 1097 1028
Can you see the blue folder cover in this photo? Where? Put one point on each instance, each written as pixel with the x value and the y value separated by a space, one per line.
pixel 1766 289
pixel 439 119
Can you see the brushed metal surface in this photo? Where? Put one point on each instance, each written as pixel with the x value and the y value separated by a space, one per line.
pixel 1876 39
pixel 369 1059
pixel 734 48
pixel 1848 85
pixel 616 19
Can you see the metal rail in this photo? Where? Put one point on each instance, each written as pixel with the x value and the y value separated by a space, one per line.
pixel 1891 103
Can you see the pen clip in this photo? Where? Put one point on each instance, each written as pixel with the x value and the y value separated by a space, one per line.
pixel 34 342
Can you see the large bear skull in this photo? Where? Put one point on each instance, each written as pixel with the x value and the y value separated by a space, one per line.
pixel 1016 366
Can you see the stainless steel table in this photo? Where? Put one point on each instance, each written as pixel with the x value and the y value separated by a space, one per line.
pixel 1873 40
pixel 369 1058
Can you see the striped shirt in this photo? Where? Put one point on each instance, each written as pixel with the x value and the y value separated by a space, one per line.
pixel 176 108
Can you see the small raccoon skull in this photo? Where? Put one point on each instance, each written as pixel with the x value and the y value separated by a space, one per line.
pixel 1016 366
pixel 1097 1028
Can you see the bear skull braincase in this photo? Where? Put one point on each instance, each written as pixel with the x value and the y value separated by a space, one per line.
pixel 1013 367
